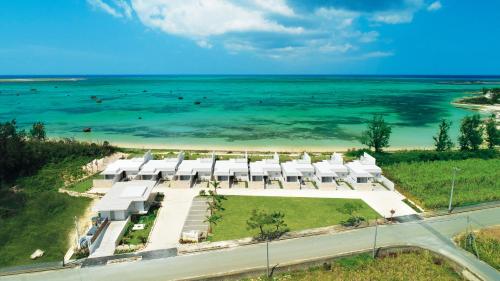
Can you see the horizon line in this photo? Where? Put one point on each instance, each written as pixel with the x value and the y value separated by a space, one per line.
pixel 265 74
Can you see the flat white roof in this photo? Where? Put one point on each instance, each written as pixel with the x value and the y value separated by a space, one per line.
pixel 229 167
pixel 297 167
pixel 121 165
pixel 191 167
pixel 358 169
pixel 264 166
pixel 329 168
pixel 122 194
pixel 153 167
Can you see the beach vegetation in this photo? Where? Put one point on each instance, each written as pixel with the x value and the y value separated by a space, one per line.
pixel 320 212
pixel 37 132
pixel 471 133
pixel 492 133
pixel 486 97
pixel 442 141
pixel 24 157
pixel 377 134
pixel 401 265
pixel 415 156
pixel 428 183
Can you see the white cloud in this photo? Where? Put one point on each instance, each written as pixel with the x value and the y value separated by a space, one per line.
pixel 434 6
pixel 329 48
pixel 99 4
pixel 337 18
pixel 377 54
pixel 204 18
pixel 125 6
pixel 393 17
pixel 398 16
pixel 271 28
pixel 368 37
pixel 275 6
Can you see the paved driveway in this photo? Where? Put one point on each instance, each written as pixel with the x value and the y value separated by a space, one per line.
pixel 108 244
pixel 168 226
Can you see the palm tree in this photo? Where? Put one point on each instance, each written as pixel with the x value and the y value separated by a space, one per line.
pixel 213 219
pixel 215 184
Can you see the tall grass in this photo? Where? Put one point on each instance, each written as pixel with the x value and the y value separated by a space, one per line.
pixel 487 245
pixel 415 266
pixel 429 183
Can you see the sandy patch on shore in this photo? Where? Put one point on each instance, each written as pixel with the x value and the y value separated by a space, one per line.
pixel 251 149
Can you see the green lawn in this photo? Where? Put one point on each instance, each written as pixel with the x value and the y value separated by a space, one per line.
pixel 84 185
pixel 414 266
pixel 429 183
pixel 40 217
pixel 300 213
pixel 135 237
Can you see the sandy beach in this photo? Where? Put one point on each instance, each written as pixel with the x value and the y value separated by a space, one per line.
pixel 236 148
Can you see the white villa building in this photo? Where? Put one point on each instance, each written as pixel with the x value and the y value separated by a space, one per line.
pixel 164 169
pixel 122 169
pixel 191 171
pixel 364 170
pixel 296 171
pixel 228 171
pixel 126 198
pixel 327 171
pixel 264 171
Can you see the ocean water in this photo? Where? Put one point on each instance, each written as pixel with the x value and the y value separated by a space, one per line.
pixel 249 112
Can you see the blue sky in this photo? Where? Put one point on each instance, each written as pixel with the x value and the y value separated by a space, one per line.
pixel 249 37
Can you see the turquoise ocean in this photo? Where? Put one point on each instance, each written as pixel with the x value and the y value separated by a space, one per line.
pixel 237 112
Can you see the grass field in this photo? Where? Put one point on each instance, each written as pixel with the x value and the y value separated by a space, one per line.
pixel 300 213
pixel 84 185
pixel 487 245
pixel 414 266
pixel 429 183
pixel 42 218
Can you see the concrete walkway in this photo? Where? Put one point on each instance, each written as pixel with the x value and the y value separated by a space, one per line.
pixel 168 226
pixel 108 243
pixel 196 219
pixel 381 201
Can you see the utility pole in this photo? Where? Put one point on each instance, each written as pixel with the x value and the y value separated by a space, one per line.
pixel 455 169
pixel 375 239
pixel 267 255
pixel 77 233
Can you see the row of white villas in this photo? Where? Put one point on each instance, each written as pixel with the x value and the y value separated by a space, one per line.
pixel 132 180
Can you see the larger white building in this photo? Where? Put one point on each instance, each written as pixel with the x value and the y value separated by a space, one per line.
pixel 126 198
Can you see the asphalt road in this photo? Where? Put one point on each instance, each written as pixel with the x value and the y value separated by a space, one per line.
pixel 434 234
